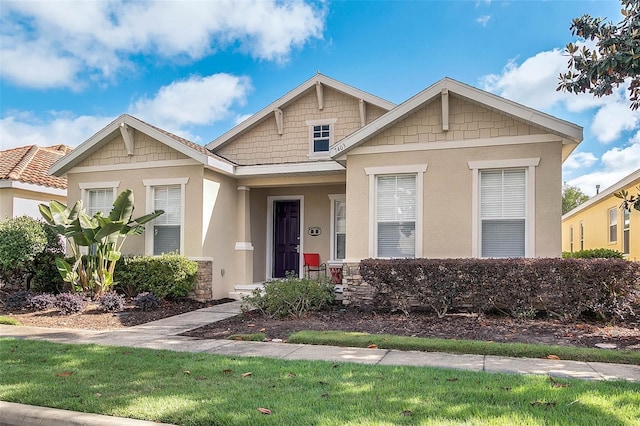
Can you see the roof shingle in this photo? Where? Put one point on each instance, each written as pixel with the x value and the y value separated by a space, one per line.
pixel 31 164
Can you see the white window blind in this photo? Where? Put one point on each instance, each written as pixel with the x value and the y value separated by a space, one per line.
pixel 166 228
pixel 503 212
pixel 99 200
pixel 396 215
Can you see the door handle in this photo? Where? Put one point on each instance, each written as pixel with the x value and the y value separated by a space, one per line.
pixel 298 248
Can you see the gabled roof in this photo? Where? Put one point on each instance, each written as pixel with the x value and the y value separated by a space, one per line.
pixel 290 97
pixel 186 147
pixel 30 164
pixel 569 131
pixel 622 183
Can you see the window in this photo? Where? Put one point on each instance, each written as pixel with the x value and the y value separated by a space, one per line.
pixel 320 137
pixel 581 235
pixel 503 207
pixel 338 226
pixel 613 225
pixel 626 224
pixel 571 239
pixel 166 233
pixel 98 196
pixel 99 200
pixel 396 215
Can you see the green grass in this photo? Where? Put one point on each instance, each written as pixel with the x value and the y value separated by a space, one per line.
pixel 204 389
pixel 8 321
pixel 389 341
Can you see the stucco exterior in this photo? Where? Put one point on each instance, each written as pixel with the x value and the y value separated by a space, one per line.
pixel 260 187
pixel 589 223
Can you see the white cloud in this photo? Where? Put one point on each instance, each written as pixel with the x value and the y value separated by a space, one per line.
pixel 22 128
pixel 613 118
pixel 616 163
pixel 96 39
pixel 483 20
pixel 579 160
pixel 194 101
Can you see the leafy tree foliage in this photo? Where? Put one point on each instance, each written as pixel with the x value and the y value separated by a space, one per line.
pixel 615 59
pixel 572 197
pixel 629 201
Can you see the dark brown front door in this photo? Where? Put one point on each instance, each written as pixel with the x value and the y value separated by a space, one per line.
pixel 286 238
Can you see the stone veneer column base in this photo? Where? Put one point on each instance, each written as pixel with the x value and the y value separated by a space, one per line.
pixel 356 292
pixel 203 287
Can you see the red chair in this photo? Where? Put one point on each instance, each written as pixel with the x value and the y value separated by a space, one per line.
pixel 312 264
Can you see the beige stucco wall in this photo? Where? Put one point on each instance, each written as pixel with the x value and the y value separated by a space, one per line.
pixel 467 120
pixel 317 208
pixel 263 144
pixel 8 196
pixel 447 196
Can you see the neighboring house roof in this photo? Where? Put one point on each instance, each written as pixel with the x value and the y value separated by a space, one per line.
pixel 121 125
pixel 30 164
pixel 571 133
pixel 622 183
pixel 290 97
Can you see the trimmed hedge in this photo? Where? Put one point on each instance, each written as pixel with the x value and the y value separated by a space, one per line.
pixel 566 288
pixel 166 276
pixel 598 253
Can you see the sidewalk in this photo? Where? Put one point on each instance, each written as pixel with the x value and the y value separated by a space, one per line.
pixel 164 334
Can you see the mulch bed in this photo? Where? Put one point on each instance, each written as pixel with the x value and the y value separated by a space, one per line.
pixel 497 328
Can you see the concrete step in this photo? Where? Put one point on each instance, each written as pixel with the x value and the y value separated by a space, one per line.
pixel 243 290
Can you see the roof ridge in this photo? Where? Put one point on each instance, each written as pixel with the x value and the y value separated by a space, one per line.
pixel 20 167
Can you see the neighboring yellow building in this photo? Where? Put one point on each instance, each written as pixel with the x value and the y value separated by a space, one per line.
pixel 600 223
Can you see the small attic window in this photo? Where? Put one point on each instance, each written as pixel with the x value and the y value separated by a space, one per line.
pixel 321 137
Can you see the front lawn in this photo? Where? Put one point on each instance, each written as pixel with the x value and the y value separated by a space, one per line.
pixel 203 389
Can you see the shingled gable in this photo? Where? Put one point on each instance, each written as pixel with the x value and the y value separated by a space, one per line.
pixel 268 111
pixel 571 134
pixel 121 125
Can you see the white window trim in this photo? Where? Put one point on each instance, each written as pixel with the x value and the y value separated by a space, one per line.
pixel 332 239
pixel 87 186
pixel 609 225
pixel 321 155
pixel 269 239
pixel 373 172
pixel 149 184
pixel 530 165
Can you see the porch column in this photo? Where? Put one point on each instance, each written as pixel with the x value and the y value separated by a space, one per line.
pixel 244 247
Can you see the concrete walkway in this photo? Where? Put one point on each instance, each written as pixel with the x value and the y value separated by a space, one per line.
pixel 164 334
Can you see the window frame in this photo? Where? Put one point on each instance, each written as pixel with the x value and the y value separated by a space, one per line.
pixel 529 164
pixel 87 187
pixel 149 185
pixel 317 155
pixel 581 235
pixel 333 243
pixel 373 172
pixel 626 231
pixel 571 239
pixel 612 228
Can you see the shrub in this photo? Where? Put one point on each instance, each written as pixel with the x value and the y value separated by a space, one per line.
pixel 147 301
pixel 565 288
pixel 18 300
pixel 290 297
pixel 21 240
pixel 46 277
pixel 43 301
pixel 111 302
pixel 70 303
pixel 169 275
pixel 598 253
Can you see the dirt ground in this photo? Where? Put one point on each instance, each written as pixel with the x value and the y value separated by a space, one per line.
pixel 623 334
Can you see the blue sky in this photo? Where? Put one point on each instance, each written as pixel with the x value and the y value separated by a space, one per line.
pixel 197 68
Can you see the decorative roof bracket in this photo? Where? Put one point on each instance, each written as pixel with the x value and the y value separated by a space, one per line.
pixel 363 113
pixel 319 92
pixel 279 120
pixel 445 109
pixel 127 137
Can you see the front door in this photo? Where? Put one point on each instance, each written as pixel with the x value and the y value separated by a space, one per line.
pixel 286 238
